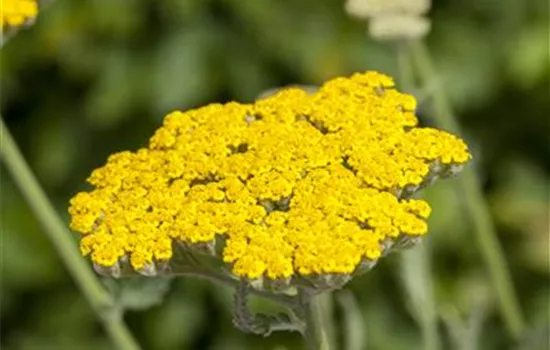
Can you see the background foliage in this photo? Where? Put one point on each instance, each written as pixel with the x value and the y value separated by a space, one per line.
pixel 96 77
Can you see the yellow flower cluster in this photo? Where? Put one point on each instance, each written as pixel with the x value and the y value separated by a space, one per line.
pixel 296 184
pixel 16 12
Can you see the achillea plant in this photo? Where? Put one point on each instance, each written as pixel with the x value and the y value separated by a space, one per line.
pixel 297 191
pixel 15 13
pixel 294 185
pixel 288 197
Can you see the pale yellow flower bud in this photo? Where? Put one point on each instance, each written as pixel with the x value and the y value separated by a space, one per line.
pixel 398 27
pixel 374 8
pixel 393 19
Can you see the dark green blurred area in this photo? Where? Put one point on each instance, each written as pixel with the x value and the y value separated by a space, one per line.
pixel 96 77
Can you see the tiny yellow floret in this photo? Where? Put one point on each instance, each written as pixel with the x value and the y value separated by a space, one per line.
pixel 14 13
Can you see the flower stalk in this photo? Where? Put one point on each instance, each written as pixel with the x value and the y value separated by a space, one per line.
pixel 54 227
pixel 221 278
pixel 315 330
pixel 476 205
pixel 415 263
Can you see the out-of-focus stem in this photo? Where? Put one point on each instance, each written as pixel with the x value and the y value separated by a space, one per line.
pixel 223 278
pixel 406 73
pixel 415 264
pixel 326 304
pixel 315 333
pixel 55 228
pixel 476 205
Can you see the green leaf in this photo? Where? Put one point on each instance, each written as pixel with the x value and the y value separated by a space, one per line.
pixel 354 328
pixel 180 319
pixel 28 257
pixel 138 293
pixel 529 55
pixel 465 334
pixel 417 282
pixel 180 69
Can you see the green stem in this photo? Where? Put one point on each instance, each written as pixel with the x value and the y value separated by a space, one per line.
pixel 415 262
pixel 223 278
pixel 415 270
pixel 406 72
pixel 476 205
pixel 326 304
pixel 44 211
pixel 354 329
pixel 315 333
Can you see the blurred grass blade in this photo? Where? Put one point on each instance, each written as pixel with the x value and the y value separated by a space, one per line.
pixel 416 278
pixel 464 335
pixel 476 205
pixel 326 301
pixel 454 325
pixel 474 328
pixel 354 328
pixel 55 228
pixel 415 266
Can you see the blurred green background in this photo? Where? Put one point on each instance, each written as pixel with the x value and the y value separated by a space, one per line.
pixel 91 78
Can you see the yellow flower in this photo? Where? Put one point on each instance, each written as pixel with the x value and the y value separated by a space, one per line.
pixel 296 184
pixel 14 13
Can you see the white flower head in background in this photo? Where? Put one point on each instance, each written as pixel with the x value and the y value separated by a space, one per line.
pixel 393 19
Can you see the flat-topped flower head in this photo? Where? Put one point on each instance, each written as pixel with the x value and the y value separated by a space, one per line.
pixel 14 13
pixel 294 185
